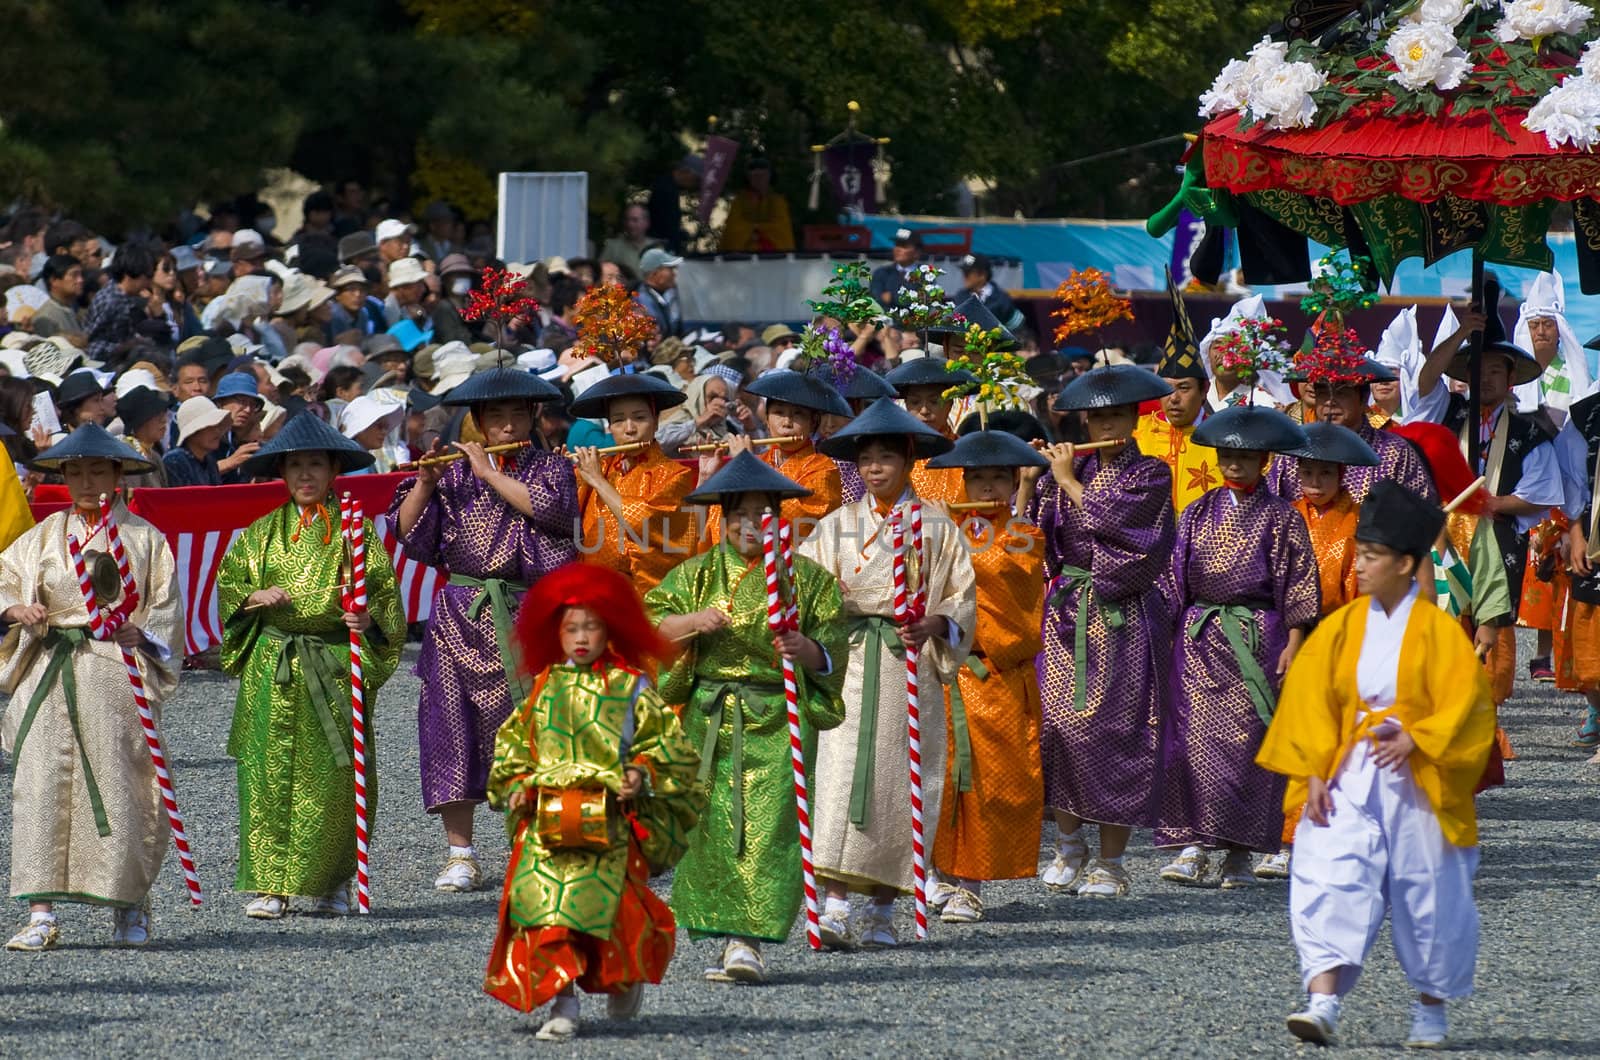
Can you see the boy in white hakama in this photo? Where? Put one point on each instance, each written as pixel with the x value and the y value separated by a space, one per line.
pixel 1384 724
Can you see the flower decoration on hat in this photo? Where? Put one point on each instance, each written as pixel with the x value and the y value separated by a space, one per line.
pixel 848 296
pixel 922 303
pixel 1088 304
pixel 1335 355
pixel 609 323
pixel 825 348
pixel 1001 374
pixel 500 298
pixel 1257 345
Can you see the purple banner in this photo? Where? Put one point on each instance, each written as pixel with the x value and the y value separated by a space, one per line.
pixel 1185 238
pixel 719 155
pixel 850 175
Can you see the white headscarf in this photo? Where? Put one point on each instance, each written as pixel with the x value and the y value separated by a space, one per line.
pixel 1400 350
pixel 1567 378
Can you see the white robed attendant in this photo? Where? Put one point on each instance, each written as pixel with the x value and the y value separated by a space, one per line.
pixel 1384 726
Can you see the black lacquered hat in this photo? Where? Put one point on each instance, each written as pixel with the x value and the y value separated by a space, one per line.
pixel 802 389
pixel 1336 445
pixel 1394 517
pixel 591 404
pixel 863 385
pixel 1252 428
pixel 972 311
pixel 306 433
pixel 502 384
pixel 927 371
pixel 91 442
pixel 990 449
pixel 746 473
pixel 884 419
pixel 1111 386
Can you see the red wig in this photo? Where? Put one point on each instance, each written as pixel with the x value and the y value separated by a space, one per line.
pixel 1442 450
pixel 631 638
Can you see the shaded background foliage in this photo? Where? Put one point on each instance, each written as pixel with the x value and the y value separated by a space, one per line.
pixel 124 113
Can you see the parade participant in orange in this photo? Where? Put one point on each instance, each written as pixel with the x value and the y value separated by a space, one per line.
pixel 631 502
pixel 922 384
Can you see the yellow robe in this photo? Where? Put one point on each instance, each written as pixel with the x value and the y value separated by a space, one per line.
pixel 1443 703
pixel 659 535
pixel 16 518
pixel 58 851
pixel 1194 467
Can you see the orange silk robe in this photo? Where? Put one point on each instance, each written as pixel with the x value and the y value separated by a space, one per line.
pixel 984 832
pixel 660 535
pixel 946 484
pixel 1194 467
pixel 810 469
pixel 1333 530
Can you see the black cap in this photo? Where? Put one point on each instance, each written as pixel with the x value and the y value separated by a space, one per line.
pixel 971 310
pixel 990 449
pixel 746 473
pixel 1394 517
pixel 306 433
pixel 1337 445
pixel 78 387
pixel 1524 369
pixel 905 237
pixel 864 384
pixel 591 404
pixel 1253 428
pixel 884 419
pixel 141 405
pixel 928 371
pixel 1024 425
pixel 211 355
pixel 1110 386
pixel 91 442
pixel 977 263
pixel 502 384
pixel 802 389
pixel 1180 359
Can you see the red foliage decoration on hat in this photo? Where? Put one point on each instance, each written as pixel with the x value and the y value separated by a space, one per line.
pixel 1442 450
pixel 610 322
pixel 500 296
pixel 631 638
pixel 1336 356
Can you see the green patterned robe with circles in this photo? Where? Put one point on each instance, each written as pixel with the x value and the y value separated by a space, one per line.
pixel 741 875
pixel 292 736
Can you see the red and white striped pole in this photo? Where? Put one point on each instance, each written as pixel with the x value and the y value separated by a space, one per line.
pixel 356 601
pixel 102 630
pixel 778 619
pixel 905 611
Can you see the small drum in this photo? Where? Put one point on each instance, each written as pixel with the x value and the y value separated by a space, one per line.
pixel 573 819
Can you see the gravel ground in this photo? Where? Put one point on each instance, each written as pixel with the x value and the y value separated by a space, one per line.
pixel 1169 972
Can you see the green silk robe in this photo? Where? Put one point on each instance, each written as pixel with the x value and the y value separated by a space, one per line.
pixel 570 733
pixel 741 874
pixel 291 733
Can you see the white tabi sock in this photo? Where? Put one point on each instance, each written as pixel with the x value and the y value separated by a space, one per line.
pixel 462 852
pixel 837 907
pixel 1325 1004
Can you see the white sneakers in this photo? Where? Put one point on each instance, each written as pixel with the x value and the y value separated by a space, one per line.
pixel 461 875
pixel 1189 868
pixel 964 907
pixel 40 933
pixel 1318 1022
pixel 1429 1026
pixel 1105 879
pixel 130 926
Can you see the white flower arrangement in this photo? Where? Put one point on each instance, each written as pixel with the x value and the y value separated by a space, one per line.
pixel 1231 89
pixel 1441 12
pixel 1568 114
pixel 1589 61
pixel 1532 19
pixel 1282 96
pixel 1426 53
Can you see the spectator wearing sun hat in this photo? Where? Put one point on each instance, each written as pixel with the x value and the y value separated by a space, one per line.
pixel 238 394
pixel 193 462
pixel 354 308
pixel 408 290
pixel 372 422
pixel 144 411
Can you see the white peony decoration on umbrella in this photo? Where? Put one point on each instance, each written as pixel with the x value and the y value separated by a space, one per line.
pixel 1282 96
pixel 1568 114
pixel 1231 89
pixel 1426 54
pixel 1533 19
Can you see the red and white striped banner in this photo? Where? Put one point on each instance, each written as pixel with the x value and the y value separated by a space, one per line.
pixel 202 522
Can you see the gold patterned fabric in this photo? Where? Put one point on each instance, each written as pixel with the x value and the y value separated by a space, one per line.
pixel 659 535
pixel 57 850
pixel 947 485
pixel 580 728
pixel 292 733
pixel 854 546
pixel 741 874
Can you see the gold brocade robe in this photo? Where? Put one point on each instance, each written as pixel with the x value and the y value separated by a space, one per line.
pixel 1443 703
pixel 983 835
pixel 1194 467
pixel 659 534
pixel 573 731
pixel 58 851
pixel 1333 529
pixel 809 468
pixel 861 809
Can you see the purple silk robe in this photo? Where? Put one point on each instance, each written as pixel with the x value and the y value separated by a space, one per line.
pixel 1255 553
pixel 467 528
pixel 1398 461
pixel 1100 762
pixel 851 488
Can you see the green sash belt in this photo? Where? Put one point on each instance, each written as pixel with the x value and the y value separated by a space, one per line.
pixel 1238 624
pixel 876 632
pixel 322 680
pixel 722 694
pixel 62 641
pixel 963 735
pixel 497 592
pixel 1073 579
